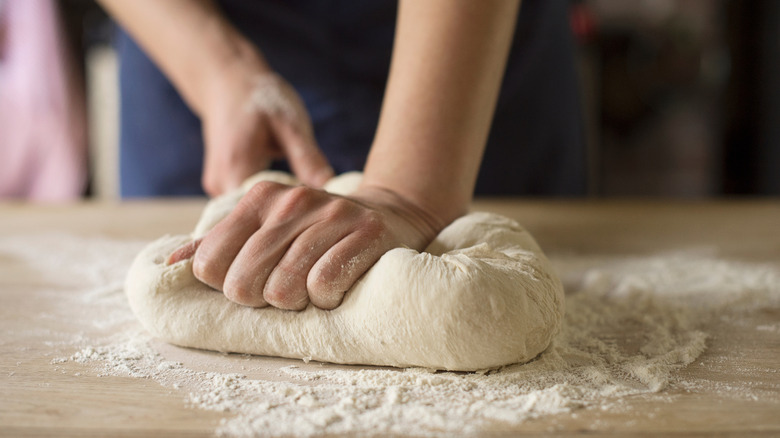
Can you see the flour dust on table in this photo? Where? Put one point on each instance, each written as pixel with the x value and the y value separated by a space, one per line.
pixel 482 295
pixel 632 325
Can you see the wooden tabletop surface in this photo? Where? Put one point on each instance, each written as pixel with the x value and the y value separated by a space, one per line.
pixel 40 399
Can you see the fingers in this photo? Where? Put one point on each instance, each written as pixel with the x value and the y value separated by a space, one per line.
pixel 304 156
pixel 222 244
pixel 242 136
pixel 340 261
pixel 247 275
pixel 235 152
pixel 285 287
pixel 291 246
pixel 220 178
pixel 240 253
pixel 183 252
pixel 341 267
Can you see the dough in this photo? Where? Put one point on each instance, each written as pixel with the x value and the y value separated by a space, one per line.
pixel 482 295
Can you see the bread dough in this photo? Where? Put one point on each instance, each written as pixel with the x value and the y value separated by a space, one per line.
pixel 482 295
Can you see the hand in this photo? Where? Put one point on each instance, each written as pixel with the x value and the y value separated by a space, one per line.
pixel 287 246
pixel 251 120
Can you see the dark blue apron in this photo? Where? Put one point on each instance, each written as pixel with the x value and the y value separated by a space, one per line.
pixel 337 53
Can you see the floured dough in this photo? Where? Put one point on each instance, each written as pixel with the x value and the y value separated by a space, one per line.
pixel 480 296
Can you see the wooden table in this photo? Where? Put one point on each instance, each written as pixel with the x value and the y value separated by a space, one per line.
pixel 39 399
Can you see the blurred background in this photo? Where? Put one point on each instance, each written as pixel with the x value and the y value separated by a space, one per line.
pixel 681 98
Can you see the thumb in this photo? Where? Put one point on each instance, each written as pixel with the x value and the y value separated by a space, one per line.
pixel 304 156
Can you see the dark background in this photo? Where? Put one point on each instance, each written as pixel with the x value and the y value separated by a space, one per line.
pixel 681 98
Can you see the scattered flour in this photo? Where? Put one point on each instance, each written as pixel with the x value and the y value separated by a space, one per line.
pixel 775 328
pixel 631 324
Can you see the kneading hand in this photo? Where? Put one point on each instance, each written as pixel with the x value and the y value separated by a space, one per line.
pixel 287 246
pixel 250 120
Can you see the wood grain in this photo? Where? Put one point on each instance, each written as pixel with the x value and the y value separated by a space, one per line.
pixel 39 399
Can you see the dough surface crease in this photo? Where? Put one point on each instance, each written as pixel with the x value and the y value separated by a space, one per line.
pixel 480 296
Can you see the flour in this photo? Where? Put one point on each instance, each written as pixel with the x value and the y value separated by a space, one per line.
pixel 482 296
pixel 271 94
pixel 769 328
pixel 632 324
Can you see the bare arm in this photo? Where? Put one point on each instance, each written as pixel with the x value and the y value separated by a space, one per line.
pixel 288 246
pixel 190 41
pixel 448 62
pixel 217 71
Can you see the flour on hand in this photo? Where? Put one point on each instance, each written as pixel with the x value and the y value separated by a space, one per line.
pixel 482 295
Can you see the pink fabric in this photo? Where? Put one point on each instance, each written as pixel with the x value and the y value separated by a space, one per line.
pixel 42 116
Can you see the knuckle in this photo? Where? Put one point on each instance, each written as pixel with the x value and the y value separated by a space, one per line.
pixel 262 190
pixel 257 196
pixel 285 272
pixel 207 271
pixel 327 300
pixel 240 291
pixel 285 298
pixel 274 296
pixel 296 199
pixel 285 288
pixel 338 208
pixel 330 278
pixel 372 224
pixel 321 279
pixel 298 193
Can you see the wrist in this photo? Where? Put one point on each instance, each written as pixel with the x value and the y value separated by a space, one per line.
pixel 426 223
pixel 420 183
pixel 230 62
pixel 429 215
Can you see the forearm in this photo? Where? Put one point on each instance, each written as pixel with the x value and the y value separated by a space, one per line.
pixel 191 42
pixel 448 62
